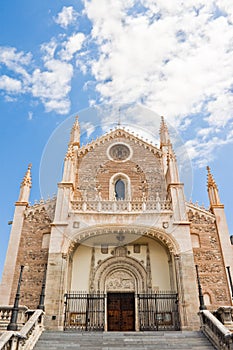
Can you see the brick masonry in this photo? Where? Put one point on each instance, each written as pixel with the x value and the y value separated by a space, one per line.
pixel 32 256
pixel 208 257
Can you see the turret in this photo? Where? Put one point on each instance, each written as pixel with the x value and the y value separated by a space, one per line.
pixel 75 133
pixel 25 187
pixel 165 144
pixel 217 209
pixel 175 189
pixel 69 165
pixel 213 191
pixel 164 134
pixel 69 161
pixel 15 236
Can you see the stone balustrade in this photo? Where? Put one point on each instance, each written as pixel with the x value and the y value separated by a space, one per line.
pixel 121 206
pixel 27 337
pixel 5 316
pixel 225 315
pixel 215 331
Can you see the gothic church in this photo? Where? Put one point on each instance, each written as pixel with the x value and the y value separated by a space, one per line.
pixel 119 247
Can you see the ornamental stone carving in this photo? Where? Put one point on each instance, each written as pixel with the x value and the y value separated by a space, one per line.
pixel 120 281
pixel 119 152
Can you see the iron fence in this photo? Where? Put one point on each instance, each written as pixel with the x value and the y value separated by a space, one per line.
pixel 84 312
pixel 155 311
pixel 158 311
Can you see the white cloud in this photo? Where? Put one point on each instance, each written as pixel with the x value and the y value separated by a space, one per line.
pixel 66 17
pixel 71 46
pixel 53 85
pixel 173 56
pixel 9 84
pixel 48 49
pixel 87 127
pixel 15 61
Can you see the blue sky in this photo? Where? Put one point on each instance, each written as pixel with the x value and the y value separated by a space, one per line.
pixel 61 57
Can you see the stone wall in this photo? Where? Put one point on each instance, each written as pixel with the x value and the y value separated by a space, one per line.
pixel 33 254
pixel 144 168
pixel 208 257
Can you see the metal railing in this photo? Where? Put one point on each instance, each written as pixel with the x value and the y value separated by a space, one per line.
pixel 84 312
pixel 158 311
pixel 215 331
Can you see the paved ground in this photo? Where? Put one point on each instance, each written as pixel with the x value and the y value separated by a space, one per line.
pixel 123 340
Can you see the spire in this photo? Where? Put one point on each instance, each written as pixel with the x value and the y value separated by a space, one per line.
pixel 70 152
pixel 27 180
pixel 75 133
pixel 164 134
pixel 26 184
pixel 212 190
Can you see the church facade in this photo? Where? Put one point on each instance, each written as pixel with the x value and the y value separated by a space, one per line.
pixel 119 247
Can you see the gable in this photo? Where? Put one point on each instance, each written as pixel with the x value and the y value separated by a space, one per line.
pixel 120 155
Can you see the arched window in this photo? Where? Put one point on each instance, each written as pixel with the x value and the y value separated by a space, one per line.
pixel 120 189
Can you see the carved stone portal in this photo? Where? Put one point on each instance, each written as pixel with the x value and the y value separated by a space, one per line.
pixel 120 281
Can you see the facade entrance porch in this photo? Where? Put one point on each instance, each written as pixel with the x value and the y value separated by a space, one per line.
pixel 135 284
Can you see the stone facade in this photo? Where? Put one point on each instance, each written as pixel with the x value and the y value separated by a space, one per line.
pixel 119 223
pixel 33 254
pixel 208 256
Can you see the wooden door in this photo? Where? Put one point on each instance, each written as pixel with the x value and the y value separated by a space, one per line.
pixel 121 311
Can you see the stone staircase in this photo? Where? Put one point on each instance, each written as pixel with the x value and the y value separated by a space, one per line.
pixel 122 340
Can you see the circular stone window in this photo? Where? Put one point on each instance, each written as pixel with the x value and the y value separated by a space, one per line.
pixel 119 152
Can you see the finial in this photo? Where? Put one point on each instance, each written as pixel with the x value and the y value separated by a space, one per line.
pixel 212 190
pixel 27 180
pixel 210 179
pixel 75 132
pixel 164 134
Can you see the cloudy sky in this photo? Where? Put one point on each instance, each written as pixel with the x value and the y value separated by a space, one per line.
pixel 60 57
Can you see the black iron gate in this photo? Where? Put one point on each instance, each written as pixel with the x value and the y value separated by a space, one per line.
pixel 84 312
pixel 155 312
pixel 158 311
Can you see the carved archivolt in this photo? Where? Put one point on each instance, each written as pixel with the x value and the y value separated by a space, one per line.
pixel 82 237
pixel 119 273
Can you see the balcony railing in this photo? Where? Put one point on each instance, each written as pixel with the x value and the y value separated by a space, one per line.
pixel 121 206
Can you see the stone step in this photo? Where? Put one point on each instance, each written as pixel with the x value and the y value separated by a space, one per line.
pixel 121 340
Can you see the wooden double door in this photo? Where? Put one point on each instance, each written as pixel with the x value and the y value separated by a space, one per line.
pixel 121 311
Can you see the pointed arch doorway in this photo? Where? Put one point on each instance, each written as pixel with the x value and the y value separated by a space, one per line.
pixel 121 277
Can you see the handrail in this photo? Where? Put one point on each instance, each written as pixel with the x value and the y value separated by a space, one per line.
pixel 215 331
pixel 6 340
pixel 27 337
